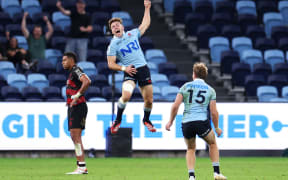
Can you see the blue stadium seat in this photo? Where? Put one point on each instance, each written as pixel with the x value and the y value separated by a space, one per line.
pixel 93 92
pixel 49 6
pixel 97 30
pixel 125 16
pixel 156 56
pixel 100 18
pixel 252 57
pixel 217 45
pixel 37 80
pixel 168 6
pixel 58 42
pixel 270 20
pixel 285 92
pixel 279 81
pixel 181 9
pixel 283 9
pixel 223 6
pixel 262 69
pixel 153 68
pixel 255 31
pixel 118 80
pixel 167 68
pixel 92 6
pixel 265 93
pixel 283 44
pixel 31 6
pixel 227 59
pixel 6 68
pixel 178 79
pixel 204 33
pixel 97 99
pixel 281 69
pixel 192 22
pixel 264 44
pixel 61 20
pixel 5 18
pixel 146 43
pixel 53 56
pixel 278 100
pixel 17 80
pixel 273 57
pixel 157 95
pixel 103 68
pixel 231 31
pixel 45 67
pixel 31 93
pixel 9 92
pixel 14 29
pixel 107 93
pixel 252 82
pixel 169 93
pixel 95 56
pixel 99 80
pixel 110 6
pixel 58 80
pixel 3 82
pixel 63 92
pixel 245 20
pixel 266 6
pixel 100 43
pixel 239 73
pixel 11 7
pixel 52 94
pixel 204 7
pixel 6 3
pixel 22 42
pixel 88 67
pixel 279 32
pixel 241 44
pixel 220 19
pixel 246 7
pixel 159 80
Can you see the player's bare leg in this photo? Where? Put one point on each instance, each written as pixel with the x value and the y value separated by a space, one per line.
pixel 127 91
pixel 147 94
pixel 190 157
pixel 214 155
pixel 79 152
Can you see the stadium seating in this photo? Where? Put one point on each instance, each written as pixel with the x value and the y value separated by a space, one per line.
pixel 239 73
pixel 58 80
pixel 192 22
pixel 136 95
pixel 273 57
pixel 88 68
pixel 146 43
pixel 279 32
pixel 31 6
pixel 178 79
pixel 252 57
pixel 58 42
pixel 5 18
pixel 217 45
pixel 152 67
pixel 17 80
pixel 252 82
pixel 246 20
pixel 156 56
pixel 11 7
pixel 61 20
pixel 3 82
pixel 125 16
pixel 181 8
pixel 246 7
pixel 281 69
pixel 32 94
pixel 10 93
pixel 265 93
pixel 204 33
pixel 231 31
pixel 204 7
pixel 167 68
pixel 93 92
pixel 270 20
pixel 169 93
pixel 279 100
pixel 107 93
pixel 118 80
pixel 6 68
pixel 285 92
pixel 103 68
pixel 110 6
pixel 99 80
pixel 100 18
pixel 95 56
pixel 45 67
pixel 22 42
pixel 255 32
pixel 240 44
pixel 157 95
pixel 262 69
pixel 279 81
pixel 53 56
pixel 100 43
pixel 227 59
pixel 283 9
pixel 264 44
pixel 159 80
pixel 37 80
pixel 52 94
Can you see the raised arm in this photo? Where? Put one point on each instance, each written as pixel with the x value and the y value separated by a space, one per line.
pixel 64 11
pixel 24 26
pixel 174 110
pixel 146 18
pixel 114 66
pixel 215 117
pixel 50 28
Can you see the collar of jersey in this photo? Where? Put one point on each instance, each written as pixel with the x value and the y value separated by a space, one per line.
pixel 198 79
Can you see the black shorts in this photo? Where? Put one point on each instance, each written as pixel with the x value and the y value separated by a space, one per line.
pixel 77 116
pixel 201 128
pixel 142 76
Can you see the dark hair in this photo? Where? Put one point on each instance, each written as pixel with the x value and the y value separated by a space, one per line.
pixel 71 55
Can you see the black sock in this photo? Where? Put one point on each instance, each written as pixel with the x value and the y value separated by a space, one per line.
pixel 119 114
pixel 216 167
pixel 81 164
pixel 147 112
pixel 191 174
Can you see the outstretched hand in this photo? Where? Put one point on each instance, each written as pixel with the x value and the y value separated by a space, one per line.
pixel 147 3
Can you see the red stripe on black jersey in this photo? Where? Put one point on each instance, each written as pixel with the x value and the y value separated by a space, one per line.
pixel 74 84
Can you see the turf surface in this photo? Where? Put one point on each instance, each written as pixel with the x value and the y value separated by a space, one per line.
pixel 142 169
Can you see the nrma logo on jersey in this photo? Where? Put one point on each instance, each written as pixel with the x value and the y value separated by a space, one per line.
pixel 130 47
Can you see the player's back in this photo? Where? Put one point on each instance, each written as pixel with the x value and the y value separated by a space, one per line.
pixel 197 95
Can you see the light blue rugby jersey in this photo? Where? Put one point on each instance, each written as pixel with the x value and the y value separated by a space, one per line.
pixel 127 49
pixel 197 95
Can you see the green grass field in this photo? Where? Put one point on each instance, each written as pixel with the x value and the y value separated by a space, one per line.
pixel 142 169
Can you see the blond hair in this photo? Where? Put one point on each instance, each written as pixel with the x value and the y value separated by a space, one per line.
pixel 200 70
pixel 116 19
